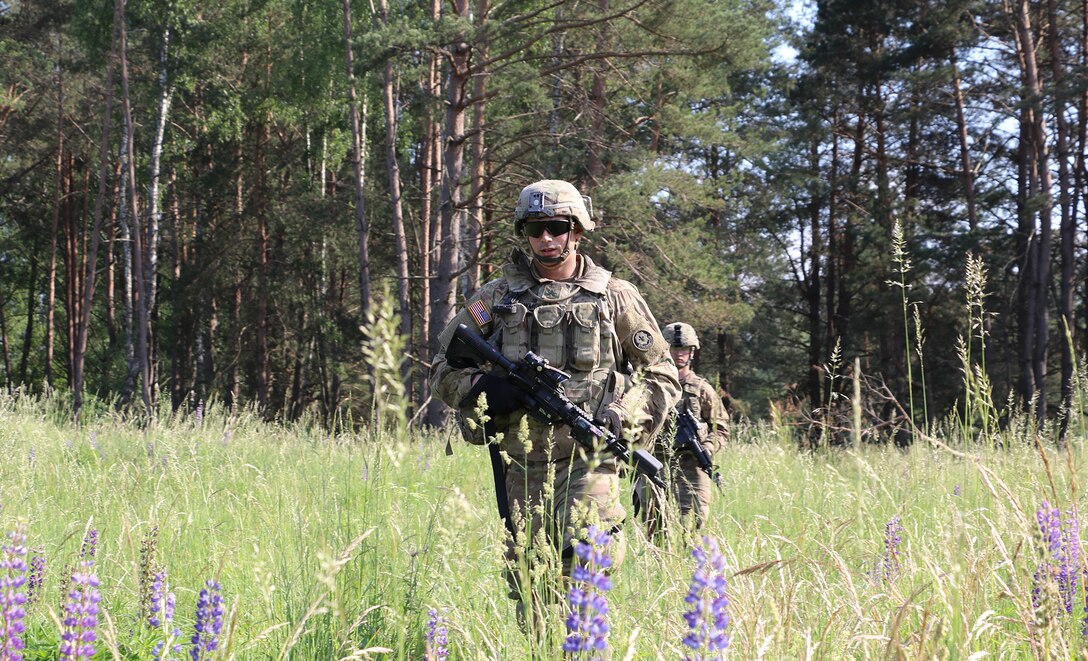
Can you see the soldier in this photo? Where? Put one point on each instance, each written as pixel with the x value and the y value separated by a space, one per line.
pixel 689 485
pixel 556 302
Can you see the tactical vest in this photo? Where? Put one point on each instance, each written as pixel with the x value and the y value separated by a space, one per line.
pixel 690 397
pixel 572 328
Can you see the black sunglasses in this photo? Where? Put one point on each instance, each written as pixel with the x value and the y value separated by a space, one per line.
pixel 554 227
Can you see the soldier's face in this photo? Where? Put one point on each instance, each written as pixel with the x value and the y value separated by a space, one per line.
pixel 681 355
pixel 549 237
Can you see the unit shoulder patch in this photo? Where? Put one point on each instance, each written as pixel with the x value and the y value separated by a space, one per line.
pixel 642 340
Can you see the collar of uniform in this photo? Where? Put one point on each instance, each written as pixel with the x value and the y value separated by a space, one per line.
pixel 520 274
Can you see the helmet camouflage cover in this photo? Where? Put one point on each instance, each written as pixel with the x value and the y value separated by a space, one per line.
pixel 679 334
pixel 552 197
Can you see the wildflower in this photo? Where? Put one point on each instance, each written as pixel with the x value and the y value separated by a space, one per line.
pixel 209 622
pixel 149 546
pixel 80 615
pixel 1069 562
pixel 36 579
pixel 587 624
pixel 32 456
pixel 198 415
pixel 708 618
pixel 1050 536
pixel 437 636
pixel 12 599
pixel 161 614
pixel 957 490
pixel 89 547
pixel 890 562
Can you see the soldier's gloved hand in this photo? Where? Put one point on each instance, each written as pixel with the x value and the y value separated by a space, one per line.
pixel 612 421
pixel 500 395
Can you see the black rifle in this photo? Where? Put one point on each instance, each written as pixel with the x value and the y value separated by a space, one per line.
pixel 687 438
pixel 536 385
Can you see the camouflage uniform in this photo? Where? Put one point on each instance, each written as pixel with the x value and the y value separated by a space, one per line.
pixel 598 329
pixel 688 484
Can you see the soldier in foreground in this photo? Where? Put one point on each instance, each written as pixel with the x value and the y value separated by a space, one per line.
pixel 701 428
pixel 555 302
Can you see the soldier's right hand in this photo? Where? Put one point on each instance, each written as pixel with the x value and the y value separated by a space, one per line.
pixel 500 395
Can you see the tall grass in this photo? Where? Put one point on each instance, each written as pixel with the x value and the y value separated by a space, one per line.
pixel 327 546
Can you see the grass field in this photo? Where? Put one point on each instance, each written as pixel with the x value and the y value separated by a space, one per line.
pixel 337 547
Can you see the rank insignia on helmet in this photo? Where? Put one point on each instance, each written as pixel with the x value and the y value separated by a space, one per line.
pixel 642 340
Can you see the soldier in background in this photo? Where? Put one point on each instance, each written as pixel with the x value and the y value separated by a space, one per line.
pixel 556 302
pixel 689 485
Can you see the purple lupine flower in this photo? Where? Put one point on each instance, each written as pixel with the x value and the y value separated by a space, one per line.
pixel 890 563
pixel 32 456
pixel 209 622
pixel 80 615
pixel 437 636
pixel 957 490
pixel 1050 530
pixel 157 606
pixel 36 579
pixel 587 624
pixel 708 618
pixel 89 547
pixel 1069 560
pixel 198 415
pixel 12 598
pixel 161 614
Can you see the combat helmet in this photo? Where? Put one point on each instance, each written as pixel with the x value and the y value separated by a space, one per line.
pixel 552 197
pixel 679 334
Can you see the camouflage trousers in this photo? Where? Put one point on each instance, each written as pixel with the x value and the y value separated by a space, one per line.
pixel 552 503
pixel 689 488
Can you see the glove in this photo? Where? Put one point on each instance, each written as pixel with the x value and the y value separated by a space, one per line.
pixel 500 395
pixel 612 421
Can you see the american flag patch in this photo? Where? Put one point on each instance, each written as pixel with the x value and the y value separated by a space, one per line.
pixel 479 312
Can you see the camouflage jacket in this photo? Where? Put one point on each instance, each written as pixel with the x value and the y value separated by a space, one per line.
pixel 595 327
pixel 708 410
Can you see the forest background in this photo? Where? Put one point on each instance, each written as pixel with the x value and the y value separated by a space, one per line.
pixel 215 200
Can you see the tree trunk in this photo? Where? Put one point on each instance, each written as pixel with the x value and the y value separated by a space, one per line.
pixel 428 219
pixel 264 376
pixel 31 308
pixel 4 342
pixel 358 143
pixel 58 201
pixel 1067 230
pixel 1040 175
pixel 473 236
pixel 444 291
pixel 968 171
pixel 598 101
pixel 403 294
pixel 812 286
pixel 139 285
